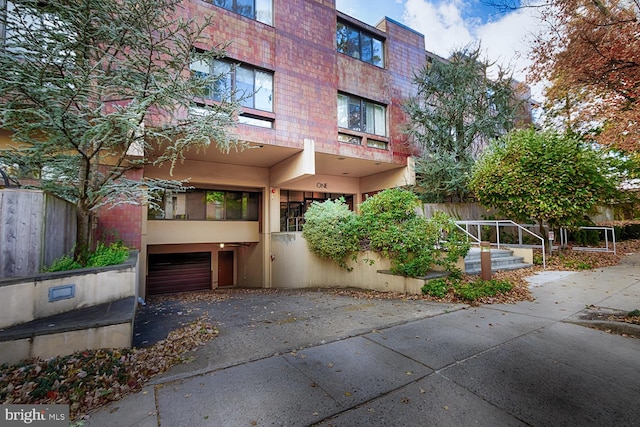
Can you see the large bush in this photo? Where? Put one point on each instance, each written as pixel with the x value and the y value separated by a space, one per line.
pixel 388 224
pixel 545 176
pixel 330 230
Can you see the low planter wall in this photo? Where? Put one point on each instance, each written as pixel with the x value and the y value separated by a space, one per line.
pixel 42 295
pixel 294 266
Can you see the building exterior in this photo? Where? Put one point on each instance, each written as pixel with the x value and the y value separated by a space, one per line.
pixel 323 119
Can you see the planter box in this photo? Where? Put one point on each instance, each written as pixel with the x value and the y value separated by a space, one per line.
pixel 58 313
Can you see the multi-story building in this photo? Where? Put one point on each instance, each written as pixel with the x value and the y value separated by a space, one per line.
pixel 323 119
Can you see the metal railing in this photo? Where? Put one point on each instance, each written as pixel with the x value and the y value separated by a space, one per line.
pixel 479 224
pixel 564 239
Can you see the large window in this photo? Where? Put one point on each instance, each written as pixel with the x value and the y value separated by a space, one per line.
pixel 252 87
pixel 294 204
pixel 260 10
pixel 360 115
pixel 359 44
pixel 213 205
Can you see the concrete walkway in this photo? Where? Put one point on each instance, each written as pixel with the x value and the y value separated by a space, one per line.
pixel 309 359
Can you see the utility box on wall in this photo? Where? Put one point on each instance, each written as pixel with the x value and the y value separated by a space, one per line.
pixel 35 229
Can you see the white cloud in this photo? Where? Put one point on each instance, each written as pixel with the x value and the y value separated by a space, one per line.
pixel 505 40
pixel 443 27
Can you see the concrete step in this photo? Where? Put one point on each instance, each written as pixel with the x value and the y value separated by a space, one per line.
pixel 501 260
pixel 108 325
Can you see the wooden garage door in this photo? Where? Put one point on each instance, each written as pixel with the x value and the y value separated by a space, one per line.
pixel 179 272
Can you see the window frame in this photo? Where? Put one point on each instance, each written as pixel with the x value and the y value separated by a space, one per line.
pixel 363 111
pixel 197 205
pixel 222 71
pixel 262 10
pixel 348 45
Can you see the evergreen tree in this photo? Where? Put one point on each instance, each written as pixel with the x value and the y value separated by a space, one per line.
pixel 92 89
pixel 456 112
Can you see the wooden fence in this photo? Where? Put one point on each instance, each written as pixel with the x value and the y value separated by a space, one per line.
pixel 35 229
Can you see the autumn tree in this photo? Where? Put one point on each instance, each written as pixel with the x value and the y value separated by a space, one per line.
pixel 547 177
pixel 92 89
pixel 456 111
pixel 589 51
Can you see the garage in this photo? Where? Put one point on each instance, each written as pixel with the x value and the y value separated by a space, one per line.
pixel 178 272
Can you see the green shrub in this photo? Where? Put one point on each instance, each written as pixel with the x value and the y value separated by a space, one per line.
pixel 114 254
pixel 586 237
pixel 63 263
pixel 389 225
pixel 538 258
pixel 634 313
pixel 437 287
pixel 482 288
pixel 627 231
pixel 414 244
pixel 330 230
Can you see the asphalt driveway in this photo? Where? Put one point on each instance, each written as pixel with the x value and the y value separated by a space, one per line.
pixel 303 358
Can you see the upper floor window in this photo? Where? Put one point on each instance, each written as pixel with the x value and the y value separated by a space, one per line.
pixel 360 115
pixel 252 87
pixel 260 10
pixel 360 44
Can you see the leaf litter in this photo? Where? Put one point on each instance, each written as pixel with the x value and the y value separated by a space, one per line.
pixel 89 379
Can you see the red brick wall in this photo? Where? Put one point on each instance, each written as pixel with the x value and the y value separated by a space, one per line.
pixel 122 222
pixel 405 56
pixel 308 71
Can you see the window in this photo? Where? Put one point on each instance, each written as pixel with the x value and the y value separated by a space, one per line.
pixel 212 205
pixel 349 139
pixel 252 87
pixel 294 204
pixel 359 44
pixel 363 116
pixel 255 121
pixel 260 10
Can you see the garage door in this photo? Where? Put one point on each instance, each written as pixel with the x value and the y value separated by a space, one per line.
pixel 179 272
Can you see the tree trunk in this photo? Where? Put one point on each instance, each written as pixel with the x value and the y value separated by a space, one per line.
pixel 84 242
pixel 545 235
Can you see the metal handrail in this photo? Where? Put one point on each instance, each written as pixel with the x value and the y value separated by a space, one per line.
pixel 497 224
pixel 564 239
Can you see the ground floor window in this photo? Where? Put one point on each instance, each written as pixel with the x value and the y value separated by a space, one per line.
pixel 293 205
pixel 213 205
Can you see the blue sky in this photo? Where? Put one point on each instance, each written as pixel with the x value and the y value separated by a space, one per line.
pixel 448 25
pixel 371 11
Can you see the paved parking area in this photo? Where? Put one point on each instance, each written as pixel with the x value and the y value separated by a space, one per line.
pixel 301 358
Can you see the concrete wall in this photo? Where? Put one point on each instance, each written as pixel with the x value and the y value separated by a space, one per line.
pixel 181 232
pixel 51 345
pixel 294 266
pixel 27 299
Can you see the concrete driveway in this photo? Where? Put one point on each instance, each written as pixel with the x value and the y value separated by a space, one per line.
pixel 311 358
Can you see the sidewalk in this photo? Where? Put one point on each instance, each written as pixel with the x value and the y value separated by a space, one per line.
pixel 301 361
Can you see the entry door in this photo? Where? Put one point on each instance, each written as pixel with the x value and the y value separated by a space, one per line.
pixel 225 268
